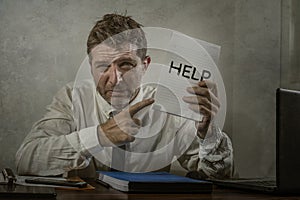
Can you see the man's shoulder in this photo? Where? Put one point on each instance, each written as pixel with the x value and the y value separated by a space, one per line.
pixel 86 85
pixel 67 92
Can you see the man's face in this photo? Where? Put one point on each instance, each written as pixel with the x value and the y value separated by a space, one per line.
pixel 117 73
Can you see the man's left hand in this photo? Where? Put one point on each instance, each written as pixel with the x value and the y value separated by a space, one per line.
pixel 205 102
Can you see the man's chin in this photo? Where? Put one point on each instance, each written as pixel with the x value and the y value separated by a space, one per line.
pixel 119 103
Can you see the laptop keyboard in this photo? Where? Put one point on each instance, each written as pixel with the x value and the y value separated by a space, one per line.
pixel 249 182
pixel 263 183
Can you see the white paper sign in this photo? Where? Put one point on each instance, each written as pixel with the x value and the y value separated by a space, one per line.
pixel 186 62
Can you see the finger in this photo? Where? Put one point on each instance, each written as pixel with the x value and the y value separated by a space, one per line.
pixel 140 105
pixel 202 110
pixel 126 138
pixel 199 100
pixel 137 122
pixel 208 84
pixel 133 130
pixel 212 86
pixel 199 90
pixel 130 138
pixel 130 130
pixel 205 93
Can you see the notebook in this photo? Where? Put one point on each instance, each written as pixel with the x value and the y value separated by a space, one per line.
pixel 150 182
pixel 287 149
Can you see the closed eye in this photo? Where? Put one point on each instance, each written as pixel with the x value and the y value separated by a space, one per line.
pixel 101 66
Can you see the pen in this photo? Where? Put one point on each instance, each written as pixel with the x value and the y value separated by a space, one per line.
pixel 103 183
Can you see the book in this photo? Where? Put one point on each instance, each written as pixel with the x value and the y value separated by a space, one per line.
pixel 153 182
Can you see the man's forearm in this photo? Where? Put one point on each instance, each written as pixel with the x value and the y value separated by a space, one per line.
pixel 47 156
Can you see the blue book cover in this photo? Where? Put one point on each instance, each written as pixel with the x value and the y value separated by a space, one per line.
pixel 153 182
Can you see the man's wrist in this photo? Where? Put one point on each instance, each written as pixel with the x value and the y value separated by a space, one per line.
pixel 103 140
pixel 202 133
pixel 89 138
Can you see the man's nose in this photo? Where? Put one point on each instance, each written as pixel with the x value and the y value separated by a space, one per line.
pixel 115 76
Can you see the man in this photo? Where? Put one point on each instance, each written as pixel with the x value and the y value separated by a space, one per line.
pixel 108 123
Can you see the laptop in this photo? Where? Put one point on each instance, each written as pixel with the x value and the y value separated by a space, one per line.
pixel 287 149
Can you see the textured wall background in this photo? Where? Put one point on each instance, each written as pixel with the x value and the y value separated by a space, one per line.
pixel 290 59
pixel 42 43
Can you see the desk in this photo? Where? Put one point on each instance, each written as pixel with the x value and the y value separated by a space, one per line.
pixel 102 193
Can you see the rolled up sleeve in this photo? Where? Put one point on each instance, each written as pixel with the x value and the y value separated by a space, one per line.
pixel 54 146
pixel 211 157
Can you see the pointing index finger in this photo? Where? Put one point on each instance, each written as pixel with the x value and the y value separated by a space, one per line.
pixel 139 106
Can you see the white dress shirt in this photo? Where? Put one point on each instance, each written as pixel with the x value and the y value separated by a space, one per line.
pixel 65 140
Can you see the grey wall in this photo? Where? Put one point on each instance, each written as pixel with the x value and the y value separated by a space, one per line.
pixel 290 49
pixel 257 75
pixel 42 43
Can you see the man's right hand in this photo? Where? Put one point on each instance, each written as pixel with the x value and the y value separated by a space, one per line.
pixel 119 129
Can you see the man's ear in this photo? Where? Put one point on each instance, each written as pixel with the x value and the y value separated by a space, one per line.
pixel 146 62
